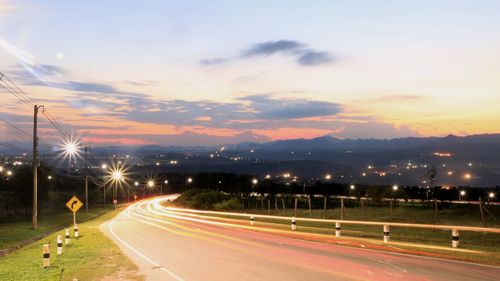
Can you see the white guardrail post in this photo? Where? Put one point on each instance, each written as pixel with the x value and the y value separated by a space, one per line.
pixel 337 229
pixel 67 236
pixel 59 244
pixel 46 255
pixel 386 233
pixel 252 220
pixel 76 230
pixel 294 224
pixel 455 238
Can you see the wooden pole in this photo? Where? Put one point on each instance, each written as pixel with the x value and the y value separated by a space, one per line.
pixel 295 206
pixel 481 210
pixel 284 209
pixel 435 210
pixel 341 208
pixel 310 211
pixel 324 207
pixel 363 207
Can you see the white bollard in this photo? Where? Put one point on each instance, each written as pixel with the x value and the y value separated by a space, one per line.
pixel 76 230
pixel 67 237
pixel 59 244
pixel 337 229
pixel 252 219
pixel 455 238
pixel 46 255
pixel 294 224
pixel 386 233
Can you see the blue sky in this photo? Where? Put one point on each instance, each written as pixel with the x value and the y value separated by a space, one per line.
pixel 195 72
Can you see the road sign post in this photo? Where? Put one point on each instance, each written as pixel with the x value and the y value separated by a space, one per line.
pixel 74 204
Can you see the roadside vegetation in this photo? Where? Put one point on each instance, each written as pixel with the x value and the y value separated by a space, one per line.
pixel 423 213
pixel 17 232
pixel 90 257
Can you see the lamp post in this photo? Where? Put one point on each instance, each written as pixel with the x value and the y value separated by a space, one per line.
pixel 104 167
pixel 461 195
pixel 161 187
pixel 254 183
pixel 150 185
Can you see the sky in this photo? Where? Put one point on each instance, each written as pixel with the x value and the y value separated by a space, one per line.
pixel 219 72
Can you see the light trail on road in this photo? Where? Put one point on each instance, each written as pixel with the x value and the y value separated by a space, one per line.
pixel 172 245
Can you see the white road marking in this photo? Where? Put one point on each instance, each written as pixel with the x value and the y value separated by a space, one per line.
pixel 170 273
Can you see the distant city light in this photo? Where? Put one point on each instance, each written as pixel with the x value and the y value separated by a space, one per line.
pixel 165 182
pixel 462 192
pixel 190 180
pixel 255 181
pixel 328 177
pixel 136 183
pixel 1 169
pixel 352 186
pixel 467 176
pixel 9 173
pixel 104 166
pixel 49 177
pixel 491 195
pixel 450 173
pixel 268 176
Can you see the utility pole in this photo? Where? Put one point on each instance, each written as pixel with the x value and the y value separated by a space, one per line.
pixel 87 148
pixel 34 212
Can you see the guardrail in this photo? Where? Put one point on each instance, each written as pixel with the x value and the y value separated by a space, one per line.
pixel 385 225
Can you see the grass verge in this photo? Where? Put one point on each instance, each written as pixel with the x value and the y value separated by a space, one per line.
pixel 90 257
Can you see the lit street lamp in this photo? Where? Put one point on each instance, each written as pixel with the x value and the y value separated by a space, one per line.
pixel 254 183
pixel 462 194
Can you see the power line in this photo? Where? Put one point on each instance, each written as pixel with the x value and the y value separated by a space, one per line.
pixel 56 124
pixel 13 89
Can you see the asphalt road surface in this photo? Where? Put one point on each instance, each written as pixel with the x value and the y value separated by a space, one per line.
pixel 169 246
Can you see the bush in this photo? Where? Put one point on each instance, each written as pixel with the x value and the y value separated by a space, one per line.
pixel 231 204
pixel 200 199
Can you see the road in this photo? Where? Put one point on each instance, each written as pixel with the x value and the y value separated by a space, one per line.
pixel 168 246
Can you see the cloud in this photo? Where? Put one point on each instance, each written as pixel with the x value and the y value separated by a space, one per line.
pixel 301 53
pixel 269 108
pixel 273 47
pixel 311 58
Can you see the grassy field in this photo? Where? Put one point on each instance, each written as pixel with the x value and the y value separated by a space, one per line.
pixel 90 257
pixel 424 240
pixel 17 232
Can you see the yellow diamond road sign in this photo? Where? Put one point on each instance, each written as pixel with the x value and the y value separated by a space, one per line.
pixel 74 204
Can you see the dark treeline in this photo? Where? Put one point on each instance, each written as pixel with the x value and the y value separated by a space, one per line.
pixel 17 190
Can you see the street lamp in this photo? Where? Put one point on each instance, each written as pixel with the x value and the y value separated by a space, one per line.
pixel 104 166
pixel 395 187
pixel 161 187
pixel 328 177
pixel 462 194
pixel 49 177
pixel 9 173
pixel 491 195
pixel 352 187
pixel 150 184
pixel 254 183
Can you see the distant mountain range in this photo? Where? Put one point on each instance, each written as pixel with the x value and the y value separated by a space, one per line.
pixel 477 155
